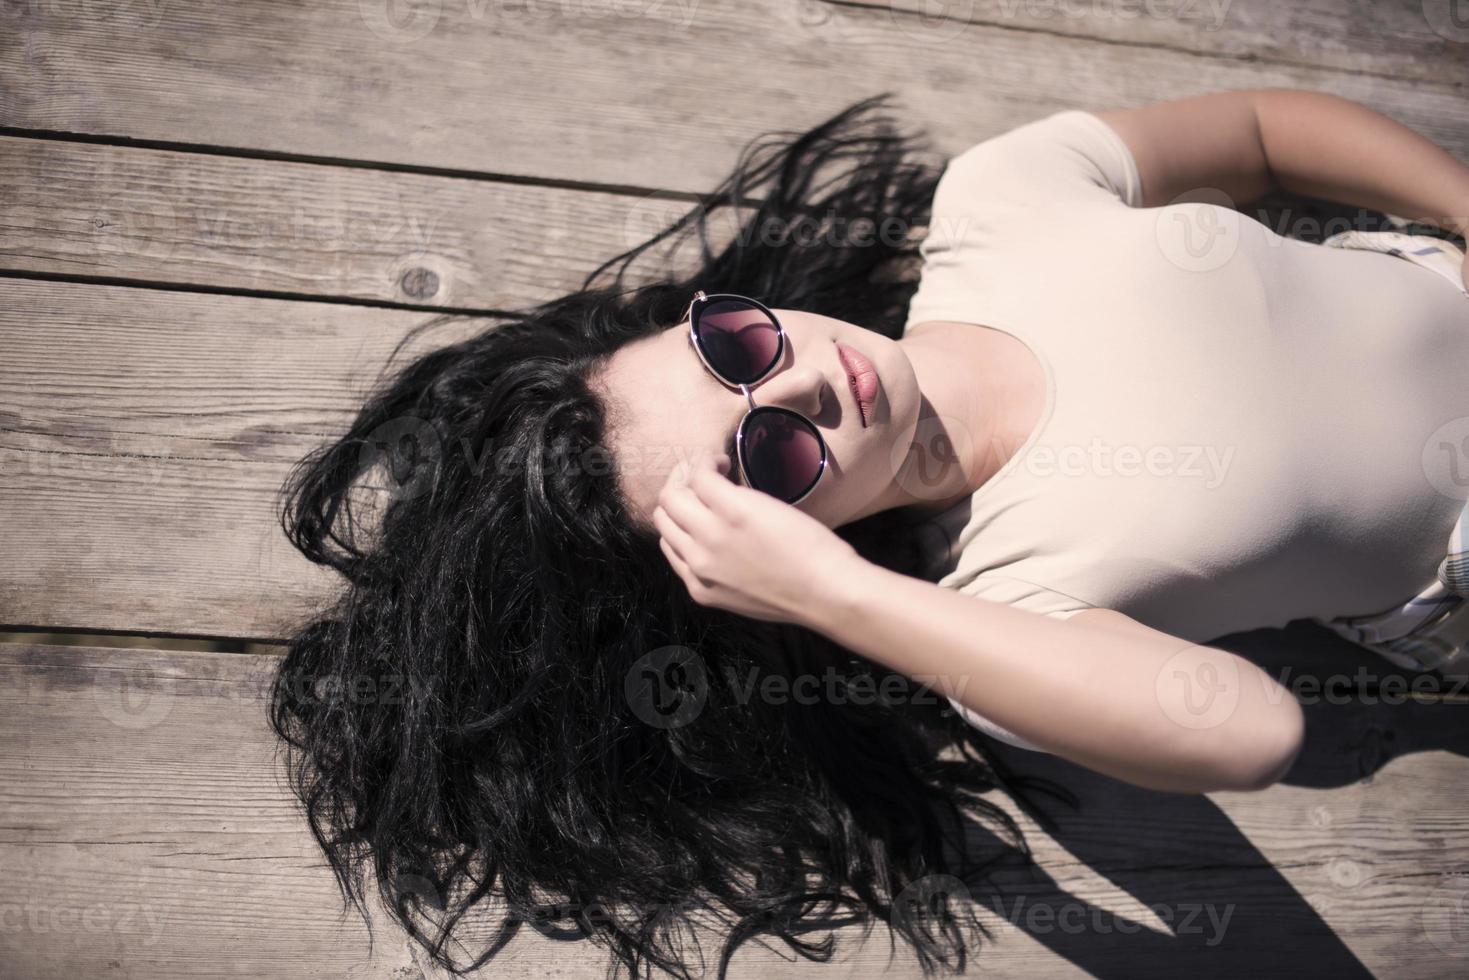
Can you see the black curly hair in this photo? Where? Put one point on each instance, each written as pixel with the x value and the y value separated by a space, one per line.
pixel 480 723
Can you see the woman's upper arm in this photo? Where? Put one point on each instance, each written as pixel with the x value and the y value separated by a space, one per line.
pixel 1091 616
pixel 1201 142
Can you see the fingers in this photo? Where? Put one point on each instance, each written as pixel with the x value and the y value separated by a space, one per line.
pixel 682 519
pixel 676 513
pixel 716 492
pixel 670 532
pixel 683 503
pixel 679 565
pixel 687 496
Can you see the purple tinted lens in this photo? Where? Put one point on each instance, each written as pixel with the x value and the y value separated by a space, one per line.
pixel 782 452
pixel 739 340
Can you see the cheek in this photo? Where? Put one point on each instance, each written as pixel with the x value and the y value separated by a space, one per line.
pixel 866 471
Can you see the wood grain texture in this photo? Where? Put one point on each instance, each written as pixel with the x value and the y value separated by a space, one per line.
pixel 1383 37
pixel 144 436
pixel 145 832
pixel 335 232
pixel 655 95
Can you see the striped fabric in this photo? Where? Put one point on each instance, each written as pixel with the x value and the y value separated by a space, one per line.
pixel 1431 630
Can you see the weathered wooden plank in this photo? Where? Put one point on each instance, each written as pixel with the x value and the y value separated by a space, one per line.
pixel 226 222
pixel 1385 37
pixel 230 223
pixel 141 832
pixel 144 831
pixel 655 95
pixel 144 436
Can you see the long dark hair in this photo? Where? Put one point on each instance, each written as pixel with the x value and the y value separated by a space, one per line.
pixel 482 719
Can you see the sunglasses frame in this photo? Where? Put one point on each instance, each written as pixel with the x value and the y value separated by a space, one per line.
pixel 697 305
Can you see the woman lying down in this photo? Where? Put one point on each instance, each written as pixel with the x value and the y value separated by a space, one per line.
pixel 722 584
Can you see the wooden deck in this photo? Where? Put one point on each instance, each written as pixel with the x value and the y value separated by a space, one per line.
pixel 217 219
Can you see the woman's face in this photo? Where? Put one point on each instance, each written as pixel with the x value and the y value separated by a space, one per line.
pixel 665 407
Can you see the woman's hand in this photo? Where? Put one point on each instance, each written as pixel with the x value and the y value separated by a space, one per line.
pixel 742 550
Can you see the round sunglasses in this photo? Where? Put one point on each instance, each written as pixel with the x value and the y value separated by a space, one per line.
pixel 780 452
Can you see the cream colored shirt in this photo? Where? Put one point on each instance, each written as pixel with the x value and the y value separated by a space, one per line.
pixel 1241 429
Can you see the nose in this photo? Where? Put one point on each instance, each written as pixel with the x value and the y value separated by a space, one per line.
pixel 803 389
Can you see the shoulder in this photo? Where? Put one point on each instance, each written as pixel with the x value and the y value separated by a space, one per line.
pixel 1064 155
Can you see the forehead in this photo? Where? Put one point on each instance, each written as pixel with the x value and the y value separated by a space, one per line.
pixel 663 408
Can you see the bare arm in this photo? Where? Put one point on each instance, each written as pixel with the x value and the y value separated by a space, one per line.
pixel 1246 143
pixel 1100 689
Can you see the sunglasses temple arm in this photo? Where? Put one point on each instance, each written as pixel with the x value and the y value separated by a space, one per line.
pixel 688 312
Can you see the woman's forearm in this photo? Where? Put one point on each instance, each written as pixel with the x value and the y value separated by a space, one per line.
pixel 1334 148
pixel 1133 703
pixel 1244 143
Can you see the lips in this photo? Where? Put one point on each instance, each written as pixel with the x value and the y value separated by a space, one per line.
pixel 861 378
